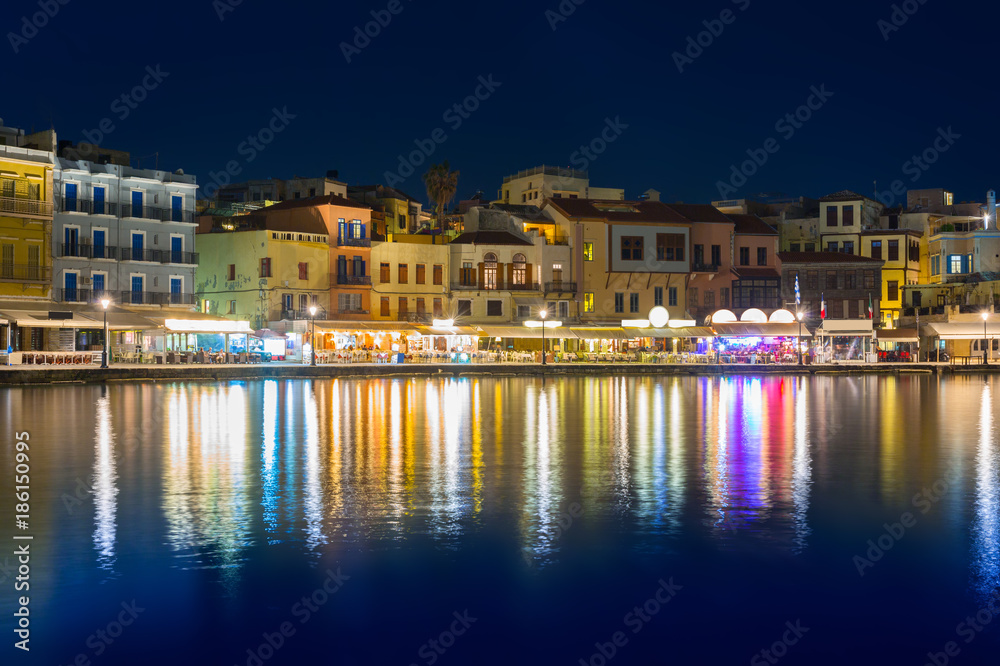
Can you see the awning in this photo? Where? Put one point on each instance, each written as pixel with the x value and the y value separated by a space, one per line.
pixel 763 330
pixel 128 321
pixel 960 330
pixel 897 335
pixel 601 333
pixel 198 322
pixel 452 330
pixel 40 319
pixel 845 327
pixel 268 334
pixel 678 332
pixel 527 332
pixel 365 326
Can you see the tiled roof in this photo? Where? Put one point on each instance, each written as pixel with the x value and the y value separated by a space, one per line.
pixel 846 195
pixel 752 225
pixel 381 191
pixel 489 238
pixel 824 258
pixel 760 272
pixel 700 213
pixel 523 211
pixel 616 211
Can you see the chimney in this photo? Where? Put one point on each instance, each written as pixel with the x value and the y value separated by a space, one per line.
pixel 991 208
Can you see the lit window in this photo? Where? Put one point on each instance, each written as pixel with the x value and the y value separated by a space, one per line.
pixel 588 301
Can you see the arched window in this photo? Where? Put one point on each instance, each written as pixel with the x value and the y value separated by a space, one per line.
pixel 520 270
pixel 490 271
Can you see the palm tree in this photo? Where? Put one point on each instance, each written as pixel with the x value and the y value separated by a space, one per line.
pixel 441 185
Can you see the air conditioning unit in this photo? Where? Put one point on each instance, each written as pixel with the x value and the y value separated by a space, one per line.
pixel 85 280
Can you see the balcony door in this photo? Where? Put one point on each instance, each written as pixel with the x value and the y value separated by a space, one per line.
pixel 177 208
pixel 136 203
pixel 175 290
pixel 176 250
pixel 138 241
pixel 137 288
pixel 99 236
pixel 69 201
pixel 69 286
pixel 71 242
pixel 98 201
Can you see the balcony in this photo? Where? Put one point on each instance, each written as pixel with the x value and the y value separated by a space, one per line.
pixel 87 251
pixel 88 206
pixel 26 207
pixel 354 242
pixel 704 268
pixel 155 298
pixel 557 240
pixel 157 213
pixel 499 286
pixel 415 317
pixel 560 286
pixel 350 280
pixel 81 295
pixel 27 273
pixel 158 256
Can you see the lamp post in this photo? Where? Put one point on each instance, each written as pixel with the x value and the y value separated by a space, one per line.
pixel 986 341
pixel 312 336
pixel 542 314
pixel 798 341
pixel 104 354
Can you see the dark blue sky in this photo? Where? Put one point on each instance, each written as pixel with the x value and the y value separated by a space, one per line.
pixel 557 88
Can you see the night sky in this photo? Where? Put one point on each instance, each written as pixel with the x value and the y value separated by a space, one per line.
pixel 678 131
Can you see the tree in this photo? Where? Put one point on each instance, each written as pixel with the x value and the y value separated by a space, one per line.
pixel 441 185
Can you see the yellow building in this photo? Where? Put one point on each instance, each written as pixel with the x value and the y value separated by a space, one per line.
pixel 410 279
pixel 900 250
pixel 25 223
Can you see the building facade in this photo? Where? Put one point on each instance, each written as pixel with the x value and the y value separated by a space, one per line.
pixel 846 284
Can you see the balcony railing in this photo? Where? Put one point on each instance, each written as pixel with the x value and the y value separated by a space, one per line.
pixel 81 295
pixel 354 242
pixel 415 317
pixel 157 213
pixel 25 273
pixel 89 206
pixel 704 268
pixel 32 207
pixel 354 280
pixel 559 286
pixel 498 286
pixel 155 298
pixel 87 251
pixel 158 256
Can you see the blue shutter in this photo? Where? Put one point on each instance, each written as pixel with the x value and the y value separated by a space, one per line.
pixel 175 250
pixel 99 244
pixel 98 201
pixel 136 204
pixel 70 202
pixel 176 210
pixel 69 281
pixel 98 283
pixel 364 233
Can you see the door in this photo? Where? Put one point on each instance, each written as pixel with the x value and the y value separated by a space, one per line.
pixel 69 201
pixel 71 242
pixel 137 289
pixel 99 235
pixel 97 279
pixel 136 203
pixel 286 304
pixel 98 201
pixel 176 250
pixel 137 246
pixel 69 286
pixel 177 208
pixel 175 290
pixel 917 298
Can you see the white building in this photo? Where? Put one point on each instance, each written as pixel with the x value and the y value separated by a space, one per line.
pixel 534 186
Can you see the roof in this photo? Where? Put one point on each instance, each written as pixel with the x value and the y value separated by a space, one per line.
pixel 961 330
pixel 617 211
pixel 847 195
pixel 524 211
pixel 752 225
pixel 892 232
pixel 825 258
pixel 700 212
pixel 322 200
pixel 381 192
pixel 757 272
pixel 489 238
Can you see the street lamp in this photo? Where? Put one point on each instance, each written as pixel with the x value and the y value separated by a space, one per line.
pixel 798 342
pixel 543 313
pixel 105 302
pixel 986 341
pixel 312 337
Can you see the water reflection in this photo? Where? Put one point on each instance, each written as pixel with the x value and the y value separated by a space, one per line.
pixel 105 486
pixel 986 526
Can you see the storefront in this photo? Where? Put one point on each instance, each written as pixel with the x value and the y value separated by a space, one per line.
pixel 962 340
pixel 194 332
pixel 764 342
pixel 897 345
pixel 845 341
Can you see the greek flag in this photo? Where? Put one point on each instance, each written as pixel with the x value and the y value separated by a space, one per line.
pixel 798 295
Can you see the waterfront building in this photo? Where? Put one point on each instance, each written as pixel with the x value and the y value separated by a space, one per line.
pixel 846 283
pixel 277 189
pixel 410 279
pixel 393 211
pixel 534 186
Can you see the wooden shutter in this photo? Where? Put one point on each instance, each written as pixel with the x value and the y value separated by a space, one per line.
pixel 482 275
pixel 529 276
pixel 510 275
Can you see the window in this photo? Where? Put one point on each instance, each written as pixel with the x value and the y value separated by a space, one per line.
pixel 402 272
pixel 403 307
pixel 633 302
pixel 383 272
pixel 232 307
pixel 848 247
pixel 421 308
pixel 670 247
pixel 794 247
pixel 465 276
pixel 762 256
pixel 231 273
pixel 265 267
pixel 464 308
pixel 490 271
pixel 303 303
pixel 557 277
pixel 672 296
pixel 894 250
pixel 869 279
pixel 312 191
pixel 848 216
pixel 936 264
pixel 876 249
pixel 657 295
pixel 724 297
pixel 698 256
pixel 588 251
pixel 303 270
pixel 619 302
pixel 421 270
pixel 563 309
pixel 349 303
pixel 494 308
pixel 632 248
pixel 402 220
pixel 831 216
pixel 588 301
pixel 831 279
pixel 716 255
pixel 833 246
pixel 693 296
pixel 812 280
pixel 744 256
pixel 438 273
pixel 438 308
pixel 709 298
pixel 520 270
pixel 892 290
pixel 955 263
pixel 850 280
pixel 810 247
